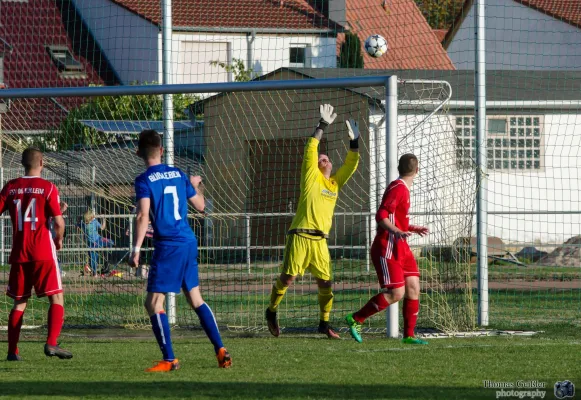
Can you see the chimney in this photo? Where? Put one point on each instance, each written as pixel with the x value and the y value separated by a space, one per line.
pixel 321 6
pixel 332 9
pixel 337 11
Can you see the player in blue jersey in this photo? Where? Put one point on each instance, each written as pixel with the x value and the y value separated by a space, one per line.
pixel 163 194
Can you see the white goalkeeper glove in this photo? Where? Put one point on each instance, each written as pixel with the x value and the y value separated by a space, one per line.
pixel 327 115
pixel 353 128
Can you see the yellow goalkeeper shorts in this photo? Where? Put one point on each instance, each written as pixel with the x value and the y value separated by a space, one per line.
pixel 302 253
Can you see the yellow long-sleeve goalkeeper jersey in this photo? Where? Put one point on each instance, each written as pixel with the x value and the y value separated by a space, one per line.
pixel 319 194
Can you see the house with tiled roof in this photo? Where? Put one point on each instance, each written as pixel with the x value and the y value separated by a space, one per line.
pixel 520 34
pixel 263 34
pixel 39 52
pixel 412 43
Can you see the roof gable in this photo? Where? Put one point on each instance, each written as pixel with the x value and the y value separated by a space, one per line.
pixel 411 42
pixel 565 10
pixel 28 28
pixel 568 11
pixel 273 14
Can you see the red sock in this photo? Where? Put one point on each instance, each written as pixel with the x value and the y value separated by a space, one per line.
pixel 56 314
pixel 14 325
pixel 376 304
pixel 411 308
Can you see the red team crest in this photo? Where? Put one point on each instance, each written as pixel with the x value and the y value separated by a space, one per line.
pixel 31 201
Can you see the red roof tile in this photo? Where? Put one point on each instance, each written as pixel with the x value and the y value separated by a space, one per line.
pixel 286 14
pixel 411 42
pixel 566 10
pixel 28 27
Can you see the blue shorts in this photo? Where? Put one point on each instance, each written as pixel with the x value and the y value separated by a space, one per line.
pixel 173 268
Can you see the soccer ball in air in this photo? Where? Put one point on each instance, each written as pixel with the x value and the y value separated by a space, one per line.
pixel 376 45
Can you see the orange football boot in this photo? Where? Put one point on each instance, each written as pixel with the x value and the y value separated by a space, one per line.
pixel 224 359
pixel 164 366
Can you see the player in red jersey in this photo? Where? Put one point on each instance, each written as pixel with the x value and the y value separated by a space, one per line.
pixel 31 202
pixel 394 262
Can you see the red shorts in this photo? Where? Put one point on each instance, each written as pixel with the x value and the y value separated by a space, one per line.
pixel 393 265
pixel 44 276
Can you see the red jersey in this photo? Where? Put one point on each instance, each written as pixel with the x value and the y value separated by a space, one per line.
pixel 395 205
pixel 31 201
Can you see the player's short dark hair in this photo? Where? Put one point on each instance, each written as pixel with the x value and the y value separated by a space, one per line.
pixel 149 143
pixel 31 158
pixel 408 164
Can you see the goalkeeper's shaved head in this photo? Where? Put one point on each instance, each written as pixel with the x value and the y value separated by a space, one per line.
pixel 149 144
pixel 31 158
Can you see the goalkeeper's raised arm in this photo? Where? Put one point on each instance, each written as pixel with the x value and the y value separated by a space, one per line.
pixel 313 163
pixel 352 160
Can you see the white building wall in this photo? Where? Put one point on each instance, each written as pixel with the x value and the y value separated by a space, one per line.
pixel 270 53
pixel 518 38
pixel 555 189
pixel 442 187
pixel 128 41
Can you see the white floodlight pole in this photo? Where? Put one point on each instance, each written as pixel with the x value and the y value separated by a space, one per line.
pixel 168 137
pixel 390 175
pixel 481 154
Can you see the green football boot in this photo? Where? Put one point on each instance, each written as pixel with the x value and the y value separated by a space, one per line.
pixel 354 328
pixel 413 340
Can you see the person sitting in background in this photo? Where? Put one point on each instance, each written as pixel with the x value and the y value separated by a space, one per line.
pixel 91 227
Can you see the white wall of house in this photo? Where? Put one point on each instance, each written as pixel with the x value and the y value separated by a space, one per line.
pixel 194 51
pixel 128 41
pixel 554 188
pixel 442 187
pixel 518 37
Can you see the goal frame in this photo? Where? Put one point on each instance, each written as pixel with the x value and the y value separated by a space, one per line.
pixel 389 82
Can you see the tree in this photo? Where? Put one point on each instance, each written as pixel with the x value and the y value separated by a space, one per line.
pixel 350 55
pixel 237 67
pixel 120 108
pixel 440 14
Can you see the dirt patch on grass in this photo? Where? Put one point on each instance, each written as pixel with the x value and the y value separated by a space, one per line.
pixel 233 287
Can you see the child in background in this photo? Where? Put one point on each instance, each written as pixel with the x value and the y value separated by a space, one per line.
pixel 91 227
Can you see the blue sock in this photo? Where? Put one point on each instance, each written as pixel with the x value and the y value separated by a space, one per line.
pixel 160 326
pixel 209 324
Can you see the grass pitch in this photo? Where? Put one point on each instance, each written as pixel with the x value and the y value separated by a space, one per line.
pixel 109 364
pixel 289 367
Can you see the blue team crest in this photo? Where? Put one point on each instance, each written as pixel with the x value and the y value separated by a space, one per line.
pixel 564 389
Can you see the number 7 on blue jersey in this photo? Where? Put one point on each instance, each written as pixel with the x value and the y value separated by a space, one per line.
pixel 176 201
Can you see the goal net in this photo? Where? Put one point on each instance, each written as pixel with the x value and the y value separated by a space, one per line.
pixel 248 147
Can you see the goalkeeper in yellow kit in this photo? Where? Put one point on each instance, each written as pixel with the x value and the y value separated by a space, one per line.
pixel 306 241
